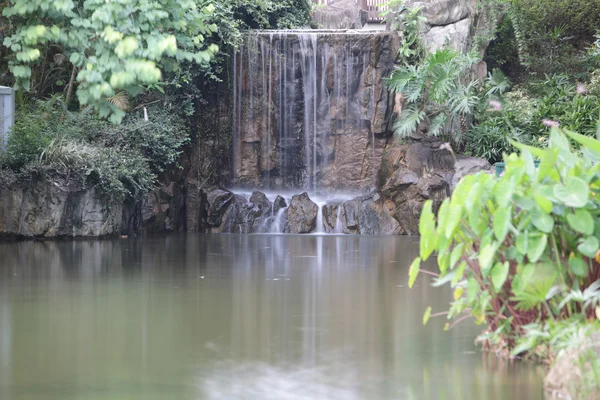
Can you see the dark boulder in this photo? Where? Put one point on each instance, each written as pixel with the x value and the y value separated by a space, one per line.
pixel 301 216
pixel 219 202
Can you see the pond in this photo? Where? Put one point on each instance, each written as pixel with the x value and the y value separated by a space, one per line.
pixel 236 317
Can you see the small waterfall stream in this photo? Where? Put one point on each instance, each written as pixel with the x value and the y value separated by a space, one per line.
pixel 278 222
pixel 339 226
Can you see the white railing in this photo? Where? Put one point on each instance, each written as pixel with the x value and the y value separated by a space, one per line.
pixel 374 7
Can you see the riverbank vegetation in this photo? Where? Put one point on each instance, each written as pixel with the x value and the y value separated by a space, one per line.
pixel 110 94
pixel 521 252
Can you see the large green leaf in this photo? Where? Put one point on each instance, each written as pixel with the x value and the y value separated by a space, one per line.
pixel 473 289
pixel 504 190
pixel 486 258
pixel 499 275
pixel 581 221
pixel 459 273
pixel 413 271
pixel 501 222
pixel 523 277
pixel 454 216
pixel 543 221
pixel 548 163
pixel 427 315
pixel 578 267
pixel 536 247
pixel 456 254
pixel 575 193
pixel 427 230
pixel 544 204
pixel 586 141
pixel 522 242
pixel 589 246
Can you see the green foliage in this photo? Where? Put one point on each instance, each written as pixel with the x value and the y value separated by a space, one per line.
pixel 407 20
pixel 523 110
pixel 528 241
pixel 436 97
pixel 112 46
pixel 84 151
pixel 550 36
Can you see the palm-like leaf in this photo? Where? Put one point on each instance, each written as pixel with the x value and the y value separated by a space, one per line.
pixel 498 82
pixel 464 99
pixel 437 124
pixel 409 121
pixel 119 100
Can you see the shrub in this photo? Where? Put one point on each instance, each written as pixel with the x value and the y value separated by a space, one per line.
pixel 522 249
pixel 84 151
pixel 524 109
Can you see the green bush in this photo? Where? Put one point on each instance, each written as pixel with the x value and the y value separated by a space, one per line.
pixel 84 151
pixel 522 251
pixel 522 114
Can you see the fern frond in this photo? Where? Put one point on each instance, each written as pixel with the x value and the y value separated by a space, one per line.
pixel 409 121
pixel 438 124
pixel 464 99
pixel 498 82
pixel 119 100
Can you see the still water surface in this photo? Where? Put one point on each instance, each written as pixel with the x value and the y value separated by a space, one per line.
pixel 235 317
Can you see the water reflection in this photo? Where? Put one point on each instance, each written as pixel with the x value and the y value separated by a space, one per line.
pixel 235 317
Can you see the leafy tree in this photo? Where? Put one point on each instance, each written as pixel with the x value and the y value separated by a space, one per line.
pixel 115 48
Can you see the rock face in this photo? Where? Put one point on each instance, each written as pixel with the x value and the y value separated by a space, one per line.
pixel 448 22
pixel 301 216
pixel 370 215
pixel 342 14
pixel 311 109
pixel 43 209
pixel 412 174
pixel 468 166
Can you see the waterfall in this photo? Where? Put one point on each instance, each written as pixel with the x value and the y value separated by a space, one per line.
pixel 305 114
pixel 320 228
pixel 339 226
pixel 278 222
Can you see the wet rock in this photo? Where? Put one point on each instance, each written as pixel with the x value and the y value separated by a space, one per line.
pixel 45 209
pixel 370 215
pixel 410 175
pixel 279 204
pixel 236 218
pixel 350 216
pixel 301 216
pixel 219 202
pixel 377 217
pixel 195 203
pixel 330 217
pixel 468 166
pixel 260 199
pixel 260 213
pixel 341 14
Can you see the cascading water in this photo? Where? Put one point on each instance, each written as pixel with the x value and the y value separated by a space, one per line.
pixel 278 222
pixel 339 227
pixel 310 114
pixel 310 109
